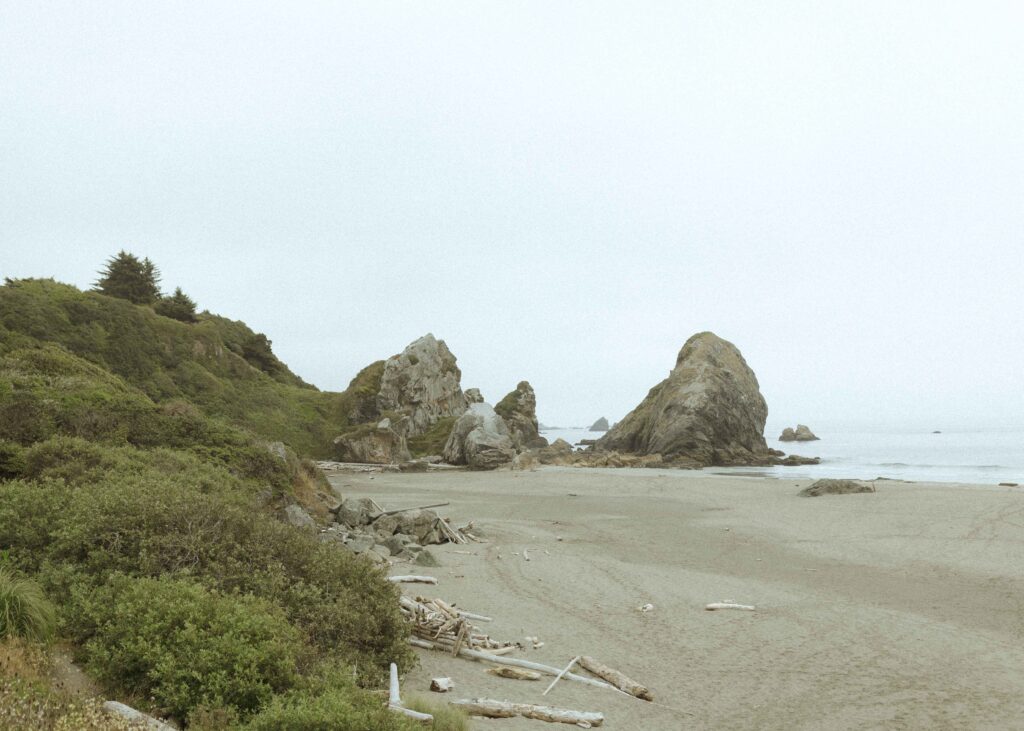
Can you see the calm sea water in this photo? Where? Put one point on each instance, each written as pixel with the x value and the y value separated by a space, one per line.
pixel 976 457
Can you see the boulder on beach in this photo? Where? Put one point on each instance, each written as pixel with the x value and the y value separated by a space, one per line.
pixel 600 425
pixel 381 443
pixel 422 382
pixel 801 434
pixel 480 439
pixel 709 411
pixel 835 487
pixel 519 411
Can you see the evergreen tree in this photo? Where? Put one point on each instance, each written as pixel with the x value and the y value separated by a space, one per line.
pixel 178 306
pixel 132 279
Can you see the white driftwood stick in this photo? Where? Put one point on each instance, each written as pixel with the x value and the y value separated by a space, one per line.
pixel 729 605
pixel 418 507
pixel 513 661
pixel 616 678
pixel 470 615
pixel 136 717
pixel 559 676
pixel 412 579
pixel 395 700
pixel 504 709
pixel 514 673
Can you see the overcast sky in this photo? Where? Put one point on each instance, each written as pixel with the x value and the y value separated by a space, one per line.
pixel 564 192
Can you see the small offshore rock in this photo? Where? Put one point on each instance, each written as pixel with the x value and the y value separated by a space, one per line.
pixel 801 434
pixel 835 487
pixel 600 425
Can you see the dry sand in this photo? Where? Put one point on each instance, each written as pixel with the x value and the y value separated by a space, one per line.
pixel 902 609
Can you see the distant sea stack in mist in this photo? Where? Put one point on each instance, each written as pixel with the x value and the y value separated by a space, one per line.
pixel 709 411
pixel 600 425
pixel 802 433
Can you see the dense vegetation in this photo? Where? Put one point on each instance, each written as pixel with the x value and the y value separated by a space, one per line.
pixel 138 502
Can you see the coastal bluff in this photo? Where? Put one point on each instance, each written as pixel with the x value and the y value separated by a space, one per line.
pixel 709 411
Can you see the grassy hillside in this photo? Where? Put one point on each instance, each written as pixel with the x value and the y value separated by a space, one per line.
pixel 220 366
pixel 139 507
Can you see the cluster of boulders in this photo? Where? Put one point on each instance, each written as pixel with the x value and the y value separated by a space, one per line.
pixel 363 529
pixel 418 392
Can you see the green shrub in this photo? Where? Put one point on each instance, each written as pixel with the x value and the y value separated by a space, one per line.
pixel 12 460
pixel 184 646
pixel 433 440
pixel 446 717
pixel 24 610
pixel 178 306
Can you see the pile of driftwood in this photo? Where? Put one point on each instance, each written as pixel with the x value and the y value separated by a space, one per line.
pixel 437 625
pixel 436 621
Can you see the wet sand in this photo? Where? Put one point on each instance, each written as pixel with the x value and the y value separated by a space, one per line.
pixel 902 609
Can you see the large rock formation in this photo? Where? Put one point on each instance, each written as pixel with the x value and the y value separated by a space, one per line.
pixel 801 434
pixel 479 439
pixel 600 425
pixel 519 411
pixel 422 382
pixel 709 411
pixel 380 443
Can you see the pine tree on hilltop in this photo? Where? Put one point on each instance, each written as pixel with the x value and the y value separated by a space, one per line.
pixel 178 306
pixel 129 278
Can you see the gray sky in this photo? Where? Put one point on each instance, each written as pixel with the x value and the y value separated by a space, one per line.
pixel 562 191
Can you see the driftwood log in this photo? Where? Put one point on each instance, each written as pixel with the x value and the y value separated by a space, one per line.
pixel 504 709
pixel 729 605
pixel 418 507
pixel 511 661
pixel 412 579
pixel 395 700
pixel 616 678
pixel 503 671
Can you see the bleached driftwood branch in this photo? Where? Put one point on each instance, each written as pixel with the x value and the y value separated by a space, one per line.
pixel 729 605
pixel 412 579
pixel 395 700
pixel 513 661
pixel 504 709
pixel 559 676
pixel 616 678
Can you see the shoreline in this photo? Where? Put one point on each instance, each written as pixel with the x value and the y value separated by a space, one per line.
pixel 895 609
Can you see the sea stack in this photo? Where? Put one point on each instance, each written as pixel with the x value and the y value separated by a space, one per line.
pixel 709 411
pixel 519 410
pixel 600 425
pixel 423 382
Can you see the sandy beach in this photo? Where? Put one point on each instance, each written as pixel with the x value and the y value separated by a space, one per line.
pixel 901 609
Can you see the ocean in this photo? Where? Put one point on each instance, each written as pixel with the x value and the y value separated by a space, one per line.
pixel 984 457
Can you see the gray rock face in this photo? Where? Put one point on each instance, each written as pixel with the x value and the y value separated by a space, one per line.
pixel 709 411
pixel 835 487
pixel 354 512
pixel 800 434
pixel 380 443
pixel 480 439
pixel 519 411
pixel 600 425
pixel 473 396
pixel 423 382
pixel 298 517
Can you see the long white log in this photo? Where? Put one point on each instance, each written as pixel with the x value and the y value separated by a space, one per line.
pixel 136 717
pixel 504 709
pixel 395 700
pixel 412 579
pixel 513 661
pixel 729 605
